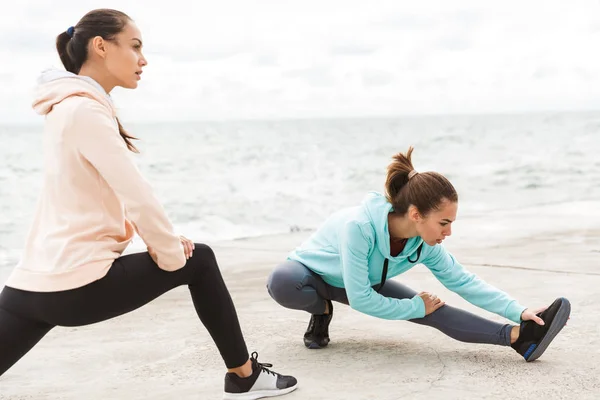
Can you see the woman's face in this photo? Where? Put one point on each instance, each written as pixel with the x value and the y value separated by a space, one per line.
pixel 437 224
pixel 124 59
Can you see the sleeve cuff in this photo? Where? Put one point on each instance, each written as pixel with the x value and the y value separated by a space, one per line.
pixel 173 260
pixel 419 307
pixel 514 311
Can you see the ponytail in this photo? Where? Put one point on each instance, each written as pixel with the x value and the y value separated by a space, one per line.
pixel 63 44
pixel 397 174
pixel 426 190
pixel 127 138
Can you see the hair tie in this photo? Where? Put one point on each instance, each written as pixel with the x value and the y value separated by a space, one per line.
pixel 411 174
pixel 70 31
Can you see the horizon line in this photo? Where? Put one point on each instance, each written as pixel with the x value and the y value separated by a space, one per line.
pixel 331 117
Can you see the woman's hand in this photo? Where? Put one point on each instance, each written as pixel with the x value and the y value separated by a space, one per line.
pixel 188 247
pixel 530 314
pixel 432 302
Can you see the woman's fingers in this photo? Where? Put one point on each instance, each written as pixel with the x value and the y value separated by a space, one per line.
pixel 188 246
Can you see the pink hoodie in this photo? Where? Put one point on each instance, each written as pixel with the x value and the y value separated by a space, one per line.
pixel 93 196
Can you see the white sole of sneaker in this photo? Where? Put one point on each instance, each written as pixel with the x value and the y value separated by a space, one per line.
pixel 562 315
pixel 259 394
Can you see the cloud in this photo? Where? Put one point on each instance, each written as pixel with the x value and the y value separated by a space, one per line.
pixel 319 76
pixel 183 54
pixel 285 58
pixel 266 59
pixel 406 22
pixel 373 77
pixel 25 41
pixel 351 49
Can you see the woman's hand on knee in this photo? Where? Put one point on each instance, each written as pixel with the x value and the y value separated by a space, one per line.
pixel 188 247
pixel 432 302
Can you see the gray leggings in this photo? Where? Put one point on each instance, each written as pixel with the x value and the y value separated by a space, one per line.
pixel 295 286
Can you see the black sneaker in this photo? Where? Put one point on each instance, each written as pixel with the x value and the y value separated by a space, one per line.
pixel 262 383
pixel 533 338
pixel 317 333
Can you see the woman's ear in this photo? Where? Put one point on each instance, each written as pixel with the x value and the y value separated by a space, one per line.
pixel 98 46
pixel 413 214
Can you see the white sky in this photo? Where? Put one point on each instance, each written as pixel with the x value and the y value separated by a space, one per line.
pixel 278 58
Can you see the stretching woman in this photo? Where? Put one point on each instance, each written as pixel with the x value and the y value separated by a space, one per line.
pixel 350 256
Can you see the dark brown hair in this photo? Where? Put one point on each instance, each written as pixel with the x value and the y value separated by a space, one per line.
pixel 424 190
pixel 72 45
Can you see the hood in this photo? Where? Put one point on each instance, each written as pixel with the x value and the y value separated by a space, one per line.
pixel 377 208
pixel 55 85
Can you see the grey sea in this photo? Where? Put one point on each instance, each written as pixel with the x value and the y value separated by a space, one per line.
pixel 525 175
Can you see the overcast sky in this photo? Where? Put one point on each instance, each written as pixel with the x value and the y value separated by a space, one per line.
pixel 279 58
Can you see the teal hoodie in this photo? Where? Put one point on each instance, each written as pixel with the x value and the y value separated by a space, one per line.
pixel 349 249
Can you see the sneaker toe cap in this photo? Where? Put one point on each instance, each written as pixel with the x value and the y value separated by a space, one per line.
pixel 285 381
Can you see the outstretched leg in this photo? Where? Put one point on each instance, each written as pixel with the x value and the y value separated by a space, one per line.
pixel 17 336
pixel 454 322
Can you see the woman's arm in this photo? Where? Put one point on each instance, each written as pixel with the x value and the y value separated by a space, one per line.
pixel 354 249
pixel 98 141
pixel 476 291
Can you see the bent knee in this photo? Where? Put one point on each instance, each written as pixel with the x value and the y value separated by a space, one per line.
pixel 203 251
pixel 203 257
pixel 282 282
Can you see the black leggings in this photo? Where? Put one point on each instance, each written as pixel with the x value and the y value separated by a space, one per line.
pixel 131 282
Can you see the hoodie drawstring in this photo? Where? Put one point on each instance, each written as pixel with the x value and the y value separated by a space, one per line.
pixel 385 267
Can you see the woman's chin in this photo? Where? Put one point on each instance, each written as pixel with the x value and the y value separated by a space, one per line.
pixel 129 85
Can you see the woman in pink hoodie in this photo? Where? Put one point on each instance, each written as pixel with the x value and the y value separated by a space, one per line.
pixel 93 199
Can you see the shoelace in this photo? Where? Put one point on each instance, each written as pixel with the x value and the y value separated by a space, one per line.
pixel 263 366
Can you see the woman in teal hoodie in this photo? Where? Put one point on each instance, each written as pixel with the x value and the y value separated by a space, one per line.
pixel 349 258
